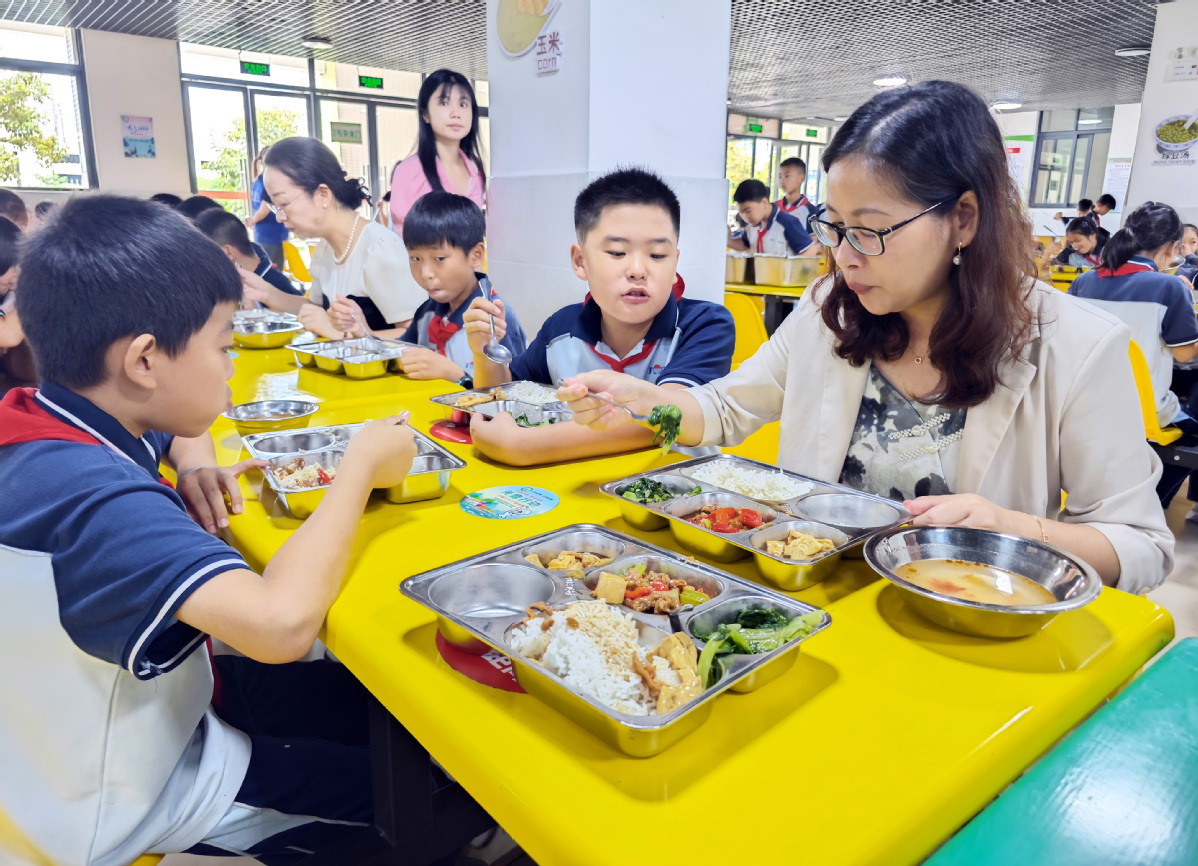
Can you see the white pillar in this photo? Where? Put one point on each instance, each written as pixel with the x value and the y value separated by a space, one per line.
pixel 1159 173
pixel 638 84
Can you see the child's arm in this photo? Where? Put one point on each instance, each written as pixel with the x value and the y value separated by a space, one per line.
pixel 478 331
pixel 276 617
pixel 254 288
pixel 422 363
pixel 203 485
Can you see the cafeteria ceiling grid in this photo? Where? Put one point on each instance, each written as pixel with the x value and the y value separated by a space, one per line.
pixel 791 60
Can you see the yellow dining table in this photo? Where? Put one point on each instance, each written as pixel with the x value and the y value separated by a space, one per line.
pixel 887 735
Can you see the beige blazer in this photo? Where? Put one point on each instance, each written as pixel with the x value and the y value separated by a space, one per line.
pixel 1067 417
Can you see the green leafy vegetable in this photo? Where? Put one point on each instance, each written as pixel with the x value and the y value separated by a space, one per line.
pixel 754 632
pixel 647 490
pixel 668 421
pixel 523 421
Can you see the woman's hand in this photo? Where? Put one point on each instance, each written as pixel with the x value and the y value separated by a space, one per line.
pixel 341 314
pixel 254 288
pixel 421 363
pixel 636 394
pixel 478 323
pixel 316 320
pixel 211 493
pixel 969 509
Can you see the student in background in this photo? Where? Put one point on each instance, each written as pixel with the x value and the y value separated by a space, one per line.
pixel 444 237
pixel 13 208
pixel 196 205
pixel 627 226
pixel 269 233
pixel 448 154
pixel 357 258
pixel 16 361
pixel 1085 208
pixel 1084 242
pixel 167 198
pixel 768 229
pixel 1157 307
pixel 231 236
pixel 1188 250
pixel 792 177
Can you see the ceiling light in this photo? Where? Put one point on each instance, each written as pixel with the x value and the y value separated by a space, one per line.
pixel 1133 51
pixel 1006 106
pixel 840 119
pixel 890 81
pixel 317 42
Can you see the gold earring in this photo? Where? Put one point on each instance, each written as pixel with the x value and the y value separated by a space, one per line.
pixel 957 257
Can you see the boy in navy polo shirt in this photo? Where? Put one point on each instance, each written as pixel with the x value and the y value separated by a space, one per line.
pixel 113 740
pixel 444 236
pixel 792 177
pixel 627 225
pixel 230 235
pixel 768 230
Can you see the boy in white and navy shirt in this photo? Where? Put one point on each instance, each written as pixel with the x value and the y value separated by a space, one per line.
pixel 792 177
pixel 768 230
pixel 444 236
pixel 627 225
pixel 229 233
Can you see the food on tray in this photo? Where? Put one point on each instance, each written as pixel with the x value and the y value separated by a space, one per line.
pixel 595 649
pixel 648 490
pixel 771 486
pixel 647 591
pixel 1175 132
pixel 301 475
pixel 570 560
pixel 726 520
pixel 523 421
pixel 800 545
pixel 668 421
pixel 478 398
pixel 972 581
pixel 530 392
pixel 755 631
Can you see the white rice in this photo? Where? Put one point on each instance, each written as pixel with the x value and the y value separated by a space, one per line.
pixel 530 392
pixel 772 486
pixel 595 657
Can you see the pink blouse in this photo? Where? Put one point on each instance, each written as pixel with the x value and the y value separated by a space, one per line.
pixel 409 183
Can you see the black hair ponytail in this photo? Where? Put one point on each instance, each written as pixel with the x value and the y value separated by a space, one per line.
pixel 310 164
pixel 1146 229
pixel 426 143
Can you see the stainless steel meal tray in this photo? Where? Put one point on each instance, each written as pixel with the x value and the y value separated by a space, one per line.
pixel 843 515
pixel 480 600
pixel 428 479
pixel 359 358
pixel 493 407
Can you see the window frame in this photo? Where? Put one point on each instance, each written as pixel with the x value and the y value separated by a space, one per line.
pixel 1075 135
pixel 75 70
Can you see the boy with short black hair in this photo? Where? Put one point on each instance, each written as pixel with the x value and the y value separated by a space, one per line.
pixel 792 177
pixel 108 589
pixel 1085 208
pixel 231 236
pixel 768 230
pixel 627 225
pixel 1105 204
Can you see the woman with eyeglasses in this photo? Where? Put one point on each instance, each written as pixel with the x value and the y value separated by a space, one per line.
pixel 930 366
pixel 16 361
pixel 358 259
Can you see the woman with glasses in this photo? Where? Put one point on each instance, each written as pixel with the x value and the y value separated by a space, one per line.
pixel 358 259
pixel 930 366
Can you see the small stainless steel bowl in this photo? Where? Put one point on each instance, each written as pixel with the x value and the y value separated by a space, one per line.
pixel 492 591
pixel 265 334
pixel 849 511
pixel 643 515
pixel 293 443
pixel 714 545
pixel 795 574
pixel 1072 582
pixel 271 415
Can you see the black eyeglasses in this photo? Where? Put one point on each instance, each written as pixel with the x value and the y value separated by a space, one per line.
pixel 868 242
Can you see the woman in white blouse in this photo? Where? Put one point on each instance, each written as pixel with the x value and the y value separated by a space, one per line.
pixel 357 259
pixel 931 367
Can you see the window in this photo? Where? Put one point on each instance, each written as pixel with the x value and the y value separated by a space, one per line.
pixel 1071 152
pixel 44 136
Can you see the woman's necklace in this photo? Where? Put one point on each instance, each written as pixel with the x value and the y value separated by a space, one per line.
pixel 919 358
pixel 352 234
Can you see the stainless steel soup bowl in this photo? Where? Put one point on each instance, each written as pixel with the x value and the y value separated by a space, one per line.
pixel 271 415
pixel 1072 582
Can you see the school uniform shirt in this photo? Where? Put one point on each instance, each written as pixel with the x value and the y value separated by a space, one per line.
pixel 1189 270
pixel 1157 308
pixel 783 234
pixel 268 271
pixel 802 210
pixel 689 342
pixel 435 328
pixel 408 183
pixel 1072 258
pixel 108 742
pixel 1066 417
pixel 376 275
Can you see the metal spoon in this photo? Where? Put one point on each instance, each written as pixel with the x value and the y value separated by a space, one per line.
pixel 561 406
pixel 495 351
pixel 365 329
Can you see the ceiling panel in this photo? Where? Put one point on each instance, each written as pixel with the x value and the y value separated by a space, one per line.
pixel 789 59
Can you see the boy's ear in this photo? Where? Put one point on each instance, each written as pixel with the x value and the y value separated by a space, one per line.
pixel 577 262
pixel 230 251
pixel 139 361
pixel 477 255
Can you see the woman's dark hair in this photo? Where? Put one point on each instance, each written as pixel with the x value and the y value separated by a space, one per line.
pixel 10 244
pixel 934 142
pixel 1147 228
pixel 441 83
pixel 12 206
pixel 1081 226
pixel 309 163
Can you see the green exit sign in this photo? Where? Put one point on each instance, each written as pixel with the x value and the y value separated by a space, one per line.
pixel 755 127
pixel 812 133
pixel 373 82
pixel 249 67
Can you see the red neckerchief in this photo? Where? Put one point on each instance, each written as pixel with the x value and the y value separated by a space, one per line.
pixel 1124 270
pixel 440 330
pixel 618 365
pixel 1092 259
pixel 791 208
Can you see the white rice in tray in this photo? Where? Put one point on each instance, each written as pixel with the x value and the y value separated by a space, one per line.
pixel 773 486
pixel 530 392
pixel 595 656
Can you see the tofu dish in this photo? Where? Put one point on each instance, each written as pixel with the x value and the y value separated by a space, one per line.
pixel 570 560
pixel 647 591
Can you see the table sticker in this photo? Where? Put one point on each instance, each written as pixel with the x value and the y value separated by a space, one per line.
pixel 492 668
pixel 509 503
